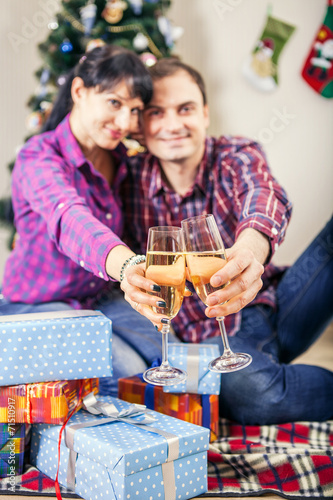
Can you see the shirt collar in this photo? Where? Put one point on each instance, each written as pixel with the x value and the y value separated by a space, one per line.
pixel 158 184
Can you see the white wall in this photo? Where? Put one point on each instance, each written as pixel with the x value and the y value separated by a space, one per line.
pixel 219 34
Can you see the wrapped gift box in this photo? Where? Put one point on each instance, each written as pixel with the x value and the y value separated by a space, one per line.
pixel 12 443
pixel 117 460
pixel 61 345
pixel 46 402
pixel 194 359
pixel 194 408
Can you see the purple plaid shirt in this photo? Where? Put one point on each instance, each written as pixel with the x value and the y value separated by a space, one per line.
pixel 66 217
pixel 235 184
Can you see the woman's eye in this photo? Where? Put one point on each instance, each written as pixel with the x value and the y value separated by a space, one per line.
pixel 136 111
pixel 115 103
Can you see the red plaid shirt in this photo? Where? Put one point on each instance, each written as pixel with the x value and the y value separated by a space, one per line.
pixel 235 184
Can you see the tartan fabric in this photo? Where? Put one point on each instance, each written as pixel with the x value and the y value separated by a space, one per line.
pixel 291 460
pixel 44 402
pixel 12 442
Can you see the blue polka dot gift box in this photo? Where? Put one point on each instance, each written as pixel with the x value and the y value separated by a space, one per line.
pixel 102 458
pixel 194 359
pixel 60 345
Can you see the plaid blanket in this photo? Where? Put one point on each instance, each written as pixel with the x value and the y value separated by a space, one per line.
pixel 290 460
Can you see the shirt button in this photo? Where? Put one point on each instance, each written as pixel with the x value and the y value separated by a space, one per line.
pixel 101 274
pixel 81 263
pixel 274 231
pixel 92 284
pixel 108 216
pixel 61 205
pixel 276 246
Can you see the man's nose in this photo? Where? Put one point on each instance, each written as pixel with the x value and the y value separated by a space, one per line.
pixel 172 121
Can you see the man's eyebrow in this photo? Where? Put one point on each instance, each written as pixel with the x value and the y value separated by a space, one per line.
pixel 186 103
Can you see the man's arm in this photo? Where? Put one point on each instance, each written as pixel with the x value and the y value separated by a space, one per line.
pixel 263 210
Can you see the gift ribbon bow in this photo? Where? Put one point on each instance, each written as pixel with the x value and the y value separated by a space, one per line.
pixel 128 416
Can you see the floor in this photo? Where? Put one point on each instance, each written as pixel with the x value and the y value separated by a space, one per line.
pixel 320 354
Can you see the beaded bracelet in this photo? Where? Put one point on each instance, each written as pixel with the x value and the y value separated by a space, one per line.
pixel 131 261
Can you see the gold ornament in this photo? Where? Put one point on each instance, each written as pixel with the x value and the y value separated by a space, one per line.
pixel 114 11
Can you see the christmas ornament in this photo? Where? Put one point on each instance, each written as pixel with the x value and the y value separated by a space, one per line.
pixel 34 121
pixel 114 10
pixel 66 46
pixel 170 33
pixel 53 25
pixel 140 42
pixel 318 67
pixel 136 6
pixel 61 80
pixel 94 43
pixel 88 16
pixel 44 78
pixel 148 59
pixel 260 68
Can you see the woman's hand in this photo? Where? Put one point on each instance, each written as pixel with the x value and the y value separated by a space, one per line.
pixel 135 287
pixel 241 274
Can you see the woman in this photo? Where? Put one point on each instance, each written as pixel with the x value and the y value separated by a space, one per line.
pixel 68 219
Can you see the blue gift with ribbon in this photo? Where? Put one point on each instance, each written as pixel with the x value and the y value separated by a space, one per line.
pixel 194 359
pixel 117 450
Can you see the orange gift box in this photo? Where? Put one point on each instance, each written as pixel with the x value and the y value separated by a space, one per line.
pixel 44 402
pixel 195 408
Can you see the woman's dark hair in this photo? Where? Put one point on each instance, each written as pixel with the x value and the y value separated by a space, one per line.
pixel 168 66
pixel 104 68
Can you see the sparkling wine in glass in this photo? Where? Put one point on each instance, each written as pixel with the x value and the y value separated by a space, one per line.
pixel 205 255
pixel 166 265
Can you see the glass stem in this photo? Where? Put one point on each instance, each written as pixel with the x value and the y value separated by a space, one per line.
pixel 165 363
pixel 227 351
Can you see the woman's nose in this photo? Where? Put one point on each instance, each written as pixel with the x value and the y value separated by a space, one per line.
pixel 123 119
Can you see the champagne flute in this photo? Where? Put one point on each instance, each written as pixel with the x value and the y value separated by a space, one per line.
pixel 205 255
pixel 166 266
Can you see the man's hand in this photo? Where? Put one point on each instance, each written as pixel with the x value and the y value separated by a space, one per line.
pixel 242 274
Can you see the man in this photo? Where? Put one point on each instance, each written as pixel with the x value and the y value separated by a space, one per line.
pixel 187 174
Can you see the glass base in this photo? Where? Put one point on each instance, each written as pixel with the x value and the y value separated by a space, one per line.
pixel 164 376
pixel 237 361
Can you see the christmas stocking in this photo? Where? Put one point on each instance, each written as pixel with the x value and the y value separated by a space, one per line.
pixel 318 67
pixel 261 66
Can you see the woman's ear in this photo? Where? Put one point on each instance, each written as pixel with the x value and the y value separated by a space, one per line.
pixel 78 89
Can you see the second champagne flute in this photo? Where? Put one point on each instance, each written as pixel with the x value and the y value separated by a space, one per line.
pixel 205 255
pixel 165 265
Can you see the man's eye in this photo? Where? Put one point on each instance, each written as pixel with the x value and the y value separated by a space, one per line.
pixel 154 112
pixel 186 109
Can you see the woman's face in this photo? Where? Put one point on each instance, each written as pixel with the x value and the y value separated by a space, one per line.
pixel 103 119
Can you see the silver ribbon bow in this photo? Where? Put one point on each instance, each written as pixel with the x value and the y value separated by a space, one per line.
pixel 112 414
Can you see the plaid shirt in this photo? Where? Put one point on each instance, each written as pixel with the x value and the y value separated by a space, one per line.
pixel 235 184
pixel 65 216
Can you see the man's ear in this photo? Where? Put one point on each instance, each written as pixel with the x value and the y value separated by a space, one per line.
pixel 206 116
pixel 78 89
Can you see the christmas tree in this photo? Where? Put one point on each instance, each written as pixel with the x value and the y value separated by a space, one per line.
pixel 82 25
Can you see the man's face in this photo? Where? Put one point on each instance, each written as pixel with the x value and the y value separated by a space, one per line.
pixel 176 119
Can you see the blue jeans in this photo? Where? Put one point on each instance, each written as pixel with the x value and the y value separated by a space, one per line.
pixel 135 342
pixel 271 390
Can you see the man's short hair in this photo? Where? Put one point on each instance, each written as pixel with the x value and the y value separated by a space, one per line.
pixel 168 66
